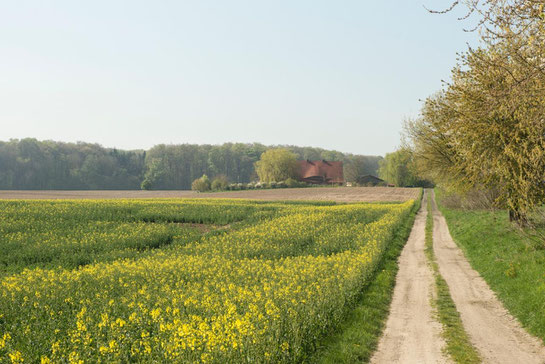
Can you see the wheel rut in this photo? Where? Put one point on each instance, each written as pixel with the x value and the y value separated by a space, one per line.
pixel 494 332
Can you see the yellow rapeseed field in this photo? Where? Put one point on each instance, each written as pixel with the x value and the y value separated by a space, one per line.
pixel 263 291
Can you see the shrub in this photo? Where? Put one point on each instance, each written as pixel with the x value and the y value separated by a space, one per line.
pixel 146 184
pixel 220 183
pixel 291 183
pixel 201 184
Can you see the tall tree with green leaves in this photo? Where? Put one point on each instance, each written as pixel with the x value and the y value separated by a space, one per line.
pixel 488 129
pixel 276 165
pixel 397 168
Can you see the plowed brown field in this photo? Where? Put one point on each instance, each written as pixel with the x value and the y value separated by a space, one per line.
pixel 339 194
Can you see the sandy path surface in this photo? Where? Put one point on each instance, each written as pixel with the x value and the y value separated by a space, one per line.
pixel 339 194
pixel 412 335
pixel 497 336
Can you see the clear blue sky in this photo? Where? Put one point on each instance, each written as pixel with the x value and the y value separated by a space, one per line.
pixel 131 74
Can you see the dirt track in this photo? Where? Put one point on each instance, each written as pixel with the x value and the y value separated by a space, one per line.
pixel 497 336
pixel 339 194
pixel 412 335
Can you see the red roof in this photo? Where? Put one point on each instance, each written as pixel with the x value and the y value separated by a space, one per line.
pixel 320 172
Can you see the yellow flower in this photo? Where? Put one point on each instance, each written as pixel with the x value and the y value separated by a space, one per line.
pixel 214 297
pixel 16 357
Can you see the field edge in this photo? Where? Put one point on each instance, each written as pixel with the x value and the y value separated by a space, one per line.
pixel 356 339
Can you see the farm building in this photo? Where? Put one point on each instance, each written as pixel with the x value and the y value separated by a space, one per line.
pixel 320 172
pixel 370 180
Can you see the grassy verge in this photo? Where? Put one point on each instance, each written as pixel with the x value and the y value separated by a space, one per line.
pixel 457 341
pixel 512 265
pixel 357 338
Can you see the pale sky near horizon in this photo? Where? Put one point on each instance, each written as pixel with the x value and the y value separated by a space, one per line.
pixel 131 74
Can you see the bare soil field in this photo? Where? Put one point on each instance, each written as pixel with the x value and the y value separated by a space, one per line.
pixel 339 194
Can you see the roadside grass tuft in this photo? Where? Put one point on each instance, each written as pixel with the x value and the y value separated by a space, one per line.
pixel 458 345
pixel 355 340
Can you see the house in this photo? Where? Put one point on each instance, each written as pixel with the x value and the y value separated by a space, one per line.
pixel 370 180
pixel 320 172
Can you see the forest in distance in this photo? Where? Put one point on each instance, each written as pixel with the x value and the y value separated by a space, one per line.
pixel 30 164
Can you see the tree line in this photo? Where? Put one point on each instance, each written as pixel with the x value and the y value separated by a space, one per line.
pixel 485 130
pixel 31 164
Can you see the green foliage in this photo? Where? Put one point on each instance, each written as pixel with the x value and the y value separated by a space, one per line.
pixel 220 183
pixel 486 129
pixel 292 183
pixel 146 184
pixel 398 169
pixel 201 184
pixel 32 164
pixel 276 165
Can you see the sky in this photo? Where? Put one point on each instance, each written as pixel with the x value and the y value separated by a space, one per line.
pixel 339 75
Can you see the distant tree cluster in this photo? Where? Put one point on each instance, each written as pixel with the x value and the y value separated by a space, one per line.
pixel 29 164
pixel 398 168
pixel 177 166
pixel 33 164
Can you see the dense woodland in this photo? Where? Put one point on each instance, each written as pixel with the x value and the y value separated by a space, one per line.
pixel 32 164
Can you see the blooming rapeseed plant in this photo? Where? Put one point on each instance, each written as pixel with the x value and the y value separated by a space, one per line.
pixel 261 292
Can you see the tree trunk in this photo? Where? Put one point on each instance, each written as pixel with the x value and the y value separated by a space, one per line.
pixel 518 217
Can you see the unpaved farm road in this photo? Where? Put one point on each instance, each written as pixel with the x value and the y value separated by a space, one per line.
pixel 413 335
pixel 496 335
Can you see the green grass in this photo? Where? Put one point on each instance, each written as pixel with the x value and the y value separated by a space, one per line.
pixel 458 345
pixel 357 337
pixel 512 265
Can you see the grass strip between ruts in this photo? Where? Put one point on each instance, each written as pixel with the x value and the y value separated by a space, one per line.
pixel 357 337
pixel 458 345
